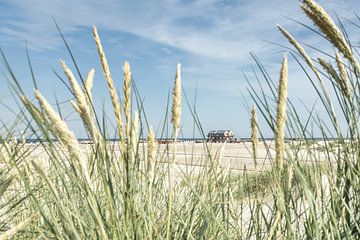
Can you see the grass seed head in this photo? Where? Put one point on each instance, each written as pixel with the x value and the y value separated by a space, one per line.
pixel 34 111
pixel 300 49
pixel 62 132
pixel 75 87
pixel 254 133
pixel 110 83
pixel 151 144
pixel 343 74
pixel 82 106
pixel 330 70
pixel 127 96
pixel 281 114
pixel 89 81
pixel 325 23
pixel 176 107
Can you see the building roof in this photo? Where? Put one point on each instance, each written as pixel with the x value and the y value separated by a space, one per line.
pixel 220 132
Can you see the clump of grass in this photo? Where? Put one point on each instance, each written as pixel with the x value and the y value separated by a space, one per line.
pixel 130 190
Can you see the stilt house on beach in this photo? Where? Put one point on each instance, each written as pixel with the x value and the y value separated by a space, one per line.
pixel 220 136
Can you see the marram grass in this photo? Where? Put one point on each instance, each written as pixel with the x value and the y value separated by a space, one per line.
pixel 254 133
pixel 176 103
pixel 281 114
pixel 328 27
pixel 110 84
pixel 343 75
pixel 127 97
pixel 67 190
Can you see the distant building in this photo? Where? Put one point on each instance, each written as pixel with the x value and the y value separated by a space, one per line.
pixel 220 136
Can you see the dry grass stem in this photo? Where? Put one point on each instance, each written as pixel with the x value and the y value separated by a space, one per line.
pixel 175 120
pixel 110 84
pixel 127 97
pixel 176 107
pixel 75 87
pixel 300 49
pixel 330 70
pixel 62 132
pixel 82 105
pixel 34 111
pixel 75 106
pixel 281 114
pixel 310 63
pixel 325 23
pixel 151 144
pixel 89 81
pixel 343 74
pixel 254 133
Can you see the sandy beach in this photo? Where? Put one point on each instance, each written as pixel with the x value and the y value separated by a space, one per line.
pixel 192 158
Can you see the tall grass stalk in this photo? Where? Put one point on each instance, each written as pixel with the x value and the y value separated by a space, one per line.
pixel 254 134
pixel 304 188
pixel 281 114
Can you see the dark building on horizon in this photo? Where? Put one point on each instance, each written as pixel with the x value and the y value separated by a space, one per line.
pixel 220 136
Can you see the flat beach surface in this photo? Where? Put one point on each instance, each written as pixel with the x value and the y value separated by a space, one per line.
pixel 192 158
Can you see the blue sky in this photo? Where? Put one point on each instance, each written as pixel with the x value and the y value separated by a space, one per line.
pixel 210 38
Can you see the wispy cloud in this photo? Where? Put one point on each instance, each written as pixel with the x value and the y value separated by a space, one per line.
pixel 212 38
pixel 219 29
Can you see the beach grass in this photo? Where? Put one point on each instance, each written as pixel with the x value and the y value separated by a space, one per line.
pixel 136 189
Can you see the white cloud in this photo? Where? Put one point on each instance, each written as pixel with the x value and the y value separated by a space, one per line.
pixel 232 30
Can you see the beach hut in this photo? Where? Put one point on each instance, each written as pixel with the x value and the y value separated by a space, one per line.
pixel 220 136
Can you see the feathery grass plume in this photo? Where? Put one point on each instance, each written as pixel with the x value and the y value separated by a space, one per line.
pixel 176 106
pixel 175 120
pixel 77 91
pixel 88 86
pixel 89 81
pixel 300 49
pixel 325 23
pixel 151 144
pixel 82 105
pixel 281 114
pixel 75 106
pixel 343 74
pixel 110 83
pixel 62 132
pixel 127 96
pixel 254 133
pixel 308 60
pixel 34 111
pixel 330 70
